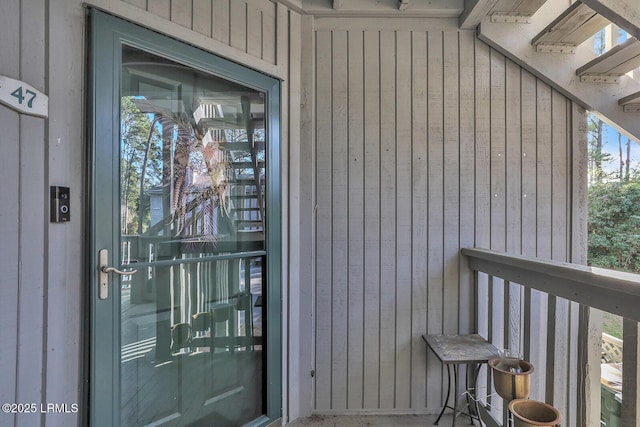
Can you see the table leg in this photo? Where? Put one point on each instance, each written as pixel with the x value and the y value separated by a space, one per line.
pixel 455 394
pixel 446 402
pixel 472 400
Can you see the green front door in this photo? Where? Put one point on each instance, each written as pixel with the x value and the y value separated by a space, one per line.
pixel 185 225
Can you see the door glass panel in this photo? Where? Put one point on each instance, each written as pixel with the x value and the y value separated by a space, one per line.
pixel 192 222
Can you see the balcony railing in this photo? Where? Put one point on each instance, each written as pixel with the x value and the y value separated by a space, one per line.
pixel 545 310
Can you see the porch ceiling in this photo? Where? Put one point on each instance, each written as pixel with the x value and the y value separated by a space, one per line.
pixel 417 8
pixel 557 44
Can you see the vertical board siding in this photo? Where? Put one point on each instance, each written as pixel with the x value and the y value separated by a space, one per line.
pixel 482 175
pixel 9 209
pixel 238 25
pixel 202 17
pixel 387 206
pixel 466 177
pixel 513 158
pixel 65 165
pixel 160 8
pixel 451 178
pixel 254 32
pixel 435 214
pixel 497 167
pixel 426 142
pixel 249 25
pixel 539 300
pixel 293 397
pixel 356 232
pixel 419 216
pixel 323 208
pixel 269 24
pixel 372 224
pixel 220 21
pixel 339 204
pixel 529 192
pixel 182 12
pixel 302 60
pixel 33 214
pixel 451 182
pixel 559 246
pixel 23 211
pixel 403 221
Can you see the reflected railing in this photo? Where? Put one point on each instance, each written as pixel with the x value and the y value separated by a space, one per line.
pixel 192 316
pixel 211 294
pixel 551 311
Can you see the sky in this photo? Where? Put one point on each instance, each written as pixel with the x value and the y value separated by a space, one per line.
pixel 610 135
pixel 610 145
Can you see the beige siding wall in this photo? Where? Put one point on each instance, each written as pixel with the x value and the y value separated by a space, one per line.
pixel 23 160
pixel 246 25
pixel 428 141
pixel 417 140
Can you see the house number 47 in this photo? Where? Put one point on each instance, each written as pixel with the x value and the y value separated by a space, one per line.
pixel 28 92
pixel 22 97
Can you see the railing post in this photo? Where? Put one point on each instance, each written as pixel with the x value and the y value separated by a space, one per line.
pixel 630 401
pixel 589 353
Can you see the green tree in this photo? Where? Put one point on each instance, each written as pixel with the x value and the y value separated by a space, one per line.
pixel 614 224
pixel 140 164
pixel 597 156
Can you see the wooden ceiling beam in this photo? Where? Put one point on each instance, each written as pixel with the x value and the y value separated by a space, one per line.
pixel 572 27
pixel 474 12
pixel 558 71
pixel 619 60
pixel 383 8
pixel 529 7
pixel 634 98
pixel 623 13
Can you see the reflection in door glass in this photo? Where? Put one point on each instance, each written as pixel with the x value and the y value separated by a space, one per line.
pixel 192 170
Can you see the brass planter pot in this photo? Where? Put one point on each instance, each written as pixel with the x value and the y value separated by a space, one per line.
pixel 512 385
pixel 532 413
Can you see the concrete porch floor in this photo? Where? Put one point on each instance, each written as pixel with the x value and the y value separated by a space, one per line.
pixel 376 421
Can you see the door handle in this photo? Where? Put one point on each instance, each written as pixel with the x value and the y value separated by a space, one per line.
pixel 105 269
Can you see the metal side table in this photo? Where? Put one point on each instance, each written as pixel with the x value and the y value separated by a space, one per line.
pixel 456 350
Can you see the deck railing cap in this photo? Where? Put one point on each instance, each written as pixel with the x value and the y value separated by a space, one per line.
pixel 613 291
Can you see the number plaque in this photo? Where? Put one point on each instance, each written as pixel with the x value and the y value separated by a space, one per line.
pixel 23 98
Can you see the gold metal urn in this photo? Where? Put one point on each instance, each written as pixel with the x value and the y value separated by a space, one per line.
pixel 511 383
pixel 532 413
